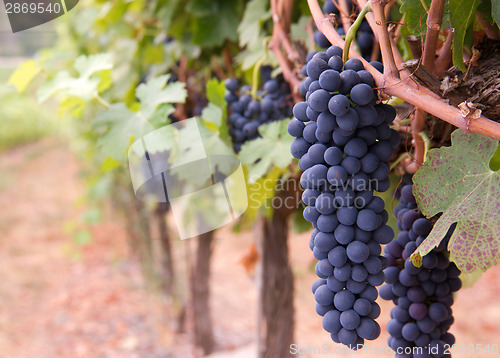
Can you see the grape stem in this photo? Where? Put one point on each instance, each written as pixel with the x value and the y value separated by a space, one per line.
pixel 419 96
pixel 101 101
pixel 351 34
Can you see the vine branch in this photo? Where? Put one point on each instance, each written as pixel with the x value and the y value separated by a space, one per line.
pixel 280 38
pixel 417 127
pixel 390 67
pixel 433 26
pixel 373 24
pixel 345 12
pixel 444 59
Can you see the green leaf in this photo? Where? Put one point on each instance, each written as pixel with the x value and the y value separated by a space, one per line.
pixel 260 192
pixel 109 164
pixel 461 15
pixel 72 106
pixel 495 160
pixel 159 118
pixel 154 93
pixel 271 149
pixel 256 13
pixel 215 93
pixel 486 12
pixel 298 30
pixel 495 11
pixel 251 55
pixel 214 22
pixel 212 116
pixel 123 127
pixel 299 224
pixel 88 65
pixel 166 13
pixel 215 114
pixel 415 15
pixel 22 77
pixel 457 182
pixel 85 86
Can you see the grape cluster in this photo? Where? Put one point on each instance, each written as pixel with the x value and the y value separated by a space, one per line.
pixel 423 295
pixel 343 142
pixel 273 103
pixel 364 35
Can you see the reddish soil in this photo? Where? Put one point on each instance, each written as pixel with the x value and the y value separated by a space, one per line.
pixel 55 304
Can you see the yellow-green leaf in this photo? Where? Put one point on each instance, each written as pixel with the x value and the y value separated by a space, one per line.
pixel 22 77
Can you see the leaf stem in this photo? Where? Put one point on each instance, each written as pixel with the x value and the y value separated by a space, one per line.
pixel 398 160
pixel 102 101
pixel 351 34
pixel 424 5
pixel 255 76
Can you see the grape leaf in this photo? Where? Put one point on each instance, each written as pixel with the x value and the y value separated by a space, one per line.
pixel 495 12
pixel 153 93
pixel 272 148
pixel 121 125
pixel 486 11
pixel 22 77
pixel 299 224
pixel 124 126
pixel 84 86
pixel 458 182
pixel 461 15
pixel 215 93
pixel 214 22
pixel 415 15
pixel 215 114
pixel 166 12
pixel 256 13
pixel 298 30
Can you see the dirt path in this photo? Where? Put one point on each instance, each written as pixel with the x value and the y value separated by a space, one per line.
pixel 53 306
